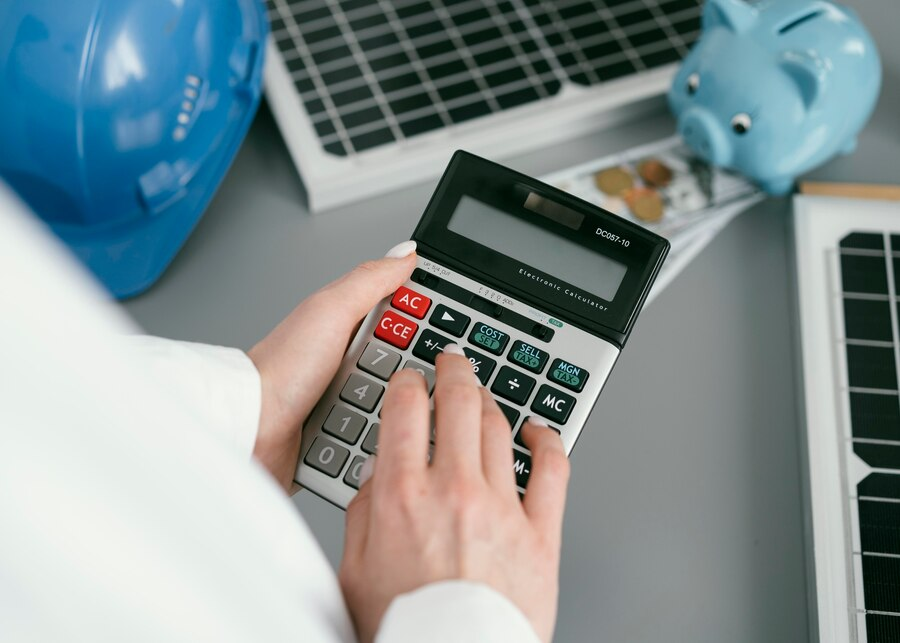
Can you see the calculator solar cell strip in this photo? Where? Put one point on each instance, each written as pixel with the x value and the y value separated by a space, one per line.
pixel 371 73
pixel 871 351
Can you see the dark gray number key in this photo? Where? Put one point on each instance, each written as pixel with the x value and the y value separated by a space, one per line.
pixel 344 424
pixel 362 392
pixel 379 360
pixel 326 456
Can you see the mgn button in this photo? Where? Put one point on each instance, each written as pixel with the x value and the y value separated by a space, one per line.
pixel 362 392
pixel 449 320
pixel 411 302
pixel 326 456
pixel 489 338
pixel 571 376
pixel 379 361
pixel 513 385
pixel 344 424
pixel 521 467
pixel 553 404
pixel 512 415
pixel 429 345
pixel 395 329
pixel 529 357
pixel 352 476
pixel 483 366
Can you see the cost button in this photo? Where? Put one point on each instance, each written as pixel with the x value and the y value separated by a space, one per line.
pixel 489 338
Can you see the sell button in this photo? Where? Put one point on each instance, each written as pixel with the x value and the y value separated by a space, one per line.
pixel 528 356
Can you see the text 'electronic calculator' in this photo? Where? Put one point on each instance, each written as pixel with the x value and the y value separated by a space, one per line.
pixel 539 288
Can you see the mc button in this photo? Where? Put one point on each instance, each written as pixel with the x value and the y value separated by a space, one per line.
pixel 489 338
pixel 553 404
pixel 395 329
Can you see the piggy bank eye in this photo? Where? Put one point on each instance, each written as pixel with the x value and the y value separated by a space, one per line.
pixel 741 123
pixel 693 84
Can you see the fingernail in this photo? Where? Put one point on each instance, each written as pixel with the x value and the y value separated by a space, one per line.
pixel 401 250
pixel 453 349
pixel 538 421
pixel 367 470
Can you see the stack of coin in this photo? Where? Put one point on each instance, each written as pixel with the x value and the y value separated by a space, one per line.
pixel 613 181
pixel 645 203
pixel 654 172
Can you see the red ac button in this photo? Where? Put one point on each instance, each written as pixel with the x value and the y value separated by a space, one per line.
pixel 395 329
pixel 411 302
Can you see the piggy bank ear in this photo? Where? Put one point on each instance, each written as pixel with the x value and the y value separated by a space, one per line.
pixel 735 15
pixel 807 71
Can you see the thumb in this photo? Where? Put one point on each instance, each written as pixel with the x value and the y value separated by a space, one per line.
pixel 300 356
pixel 352 296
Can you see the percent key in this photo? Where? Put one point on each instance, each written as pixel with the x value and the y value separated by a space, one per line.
pixel 481 365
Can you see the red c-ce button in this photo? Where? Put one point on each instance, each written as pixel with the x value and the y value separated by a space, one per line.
pixel 411 302
pixel 395 329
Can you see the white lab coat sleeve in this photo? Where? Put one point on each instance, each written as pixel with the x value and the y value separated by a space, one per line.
pixel 454 612
pixel 219 386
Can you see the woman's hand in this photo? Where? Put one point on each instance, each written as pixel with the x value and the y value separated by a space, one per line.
pixel 298 359
pixel 459 517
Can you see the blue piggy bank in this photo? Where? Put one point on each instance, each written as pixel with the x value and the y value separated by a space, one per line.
pixel 776 88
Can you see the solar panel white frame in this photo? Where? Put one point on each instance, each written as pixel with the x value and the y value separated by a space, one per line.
pixel 832 470
pixel 576 110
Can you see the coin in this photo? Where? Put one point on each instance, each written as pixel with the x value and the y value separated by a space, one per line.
pixel 645 203
pixel 613 181
pixel 655 172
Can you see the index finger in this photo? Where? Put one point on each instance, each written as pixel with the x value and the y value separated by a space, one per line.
pixel 405 427
pixel 545 496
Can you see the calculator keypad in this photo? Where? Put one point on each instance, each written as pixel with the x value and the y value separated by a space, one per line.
pixel 489 338
pixel 482 365
pixel 568 375
pixel 395 329
pixel 430 345
pixel 327 456
pixel 426 371
pixel 449 320
pixel 513 385
pixel 362 392
pixel 528 356
pixel 411 302
pixel 349 432
pixel 352 476
pixel 344 424
pixel 553 404
pixel 379 361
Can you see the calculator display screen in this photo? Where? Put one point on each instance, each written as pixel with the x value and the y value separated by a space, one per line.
pixel 527 242
pixel 564 256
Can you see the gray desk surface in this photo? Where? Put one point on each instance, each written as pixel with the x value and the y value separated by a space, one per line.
pixel 685 513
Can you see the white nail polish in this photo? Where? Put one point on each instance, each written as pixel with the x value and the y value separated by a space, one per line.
pixel 368 468
pixel 453 349
pixel 401 250
pixel 537 421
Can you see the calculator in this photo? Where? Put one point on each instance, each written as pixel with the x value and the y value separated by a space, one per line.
pixel 540 289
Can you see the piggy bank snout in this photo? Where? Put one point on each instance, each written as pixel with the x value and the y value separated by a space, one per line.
pixel 701 131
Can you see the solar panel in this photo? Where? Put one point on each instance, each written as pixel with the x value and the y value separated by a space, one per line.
pixel 851 352
pixel 350 78
pixel 872 353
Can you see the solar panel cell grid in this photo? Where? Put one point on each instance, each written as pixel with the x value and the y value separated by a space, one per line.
pixel 372 72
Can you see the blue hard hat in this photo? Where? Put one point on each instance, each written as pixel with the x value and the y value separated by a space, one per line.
pixel 119 119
